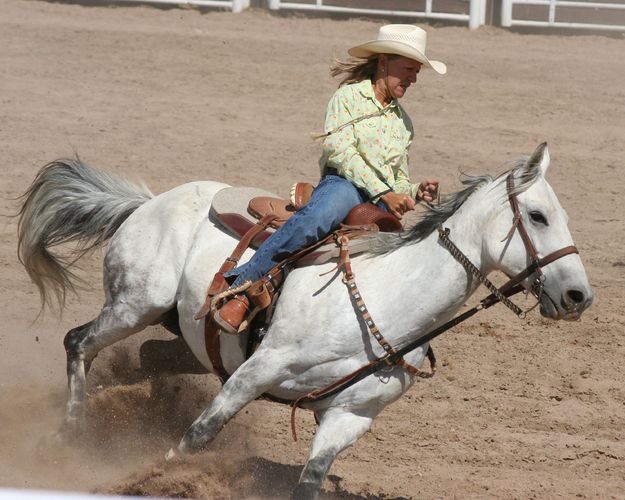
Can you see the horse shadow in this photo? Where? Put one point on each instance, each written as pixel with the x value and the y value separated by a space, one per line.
pixel 275 480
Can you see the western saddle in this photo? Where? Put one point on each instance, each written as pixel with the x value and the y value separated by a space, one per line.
pixel 251 215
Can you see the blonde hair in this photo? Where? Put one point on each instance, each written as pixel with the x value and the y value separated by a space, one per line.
pixel 354 70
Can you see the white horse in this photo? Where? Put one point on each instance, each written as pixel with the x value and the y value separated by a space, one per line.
pixel 164 249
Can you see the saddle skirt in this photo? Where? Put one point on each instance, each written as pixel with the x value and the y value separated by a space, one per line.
pixel 238 209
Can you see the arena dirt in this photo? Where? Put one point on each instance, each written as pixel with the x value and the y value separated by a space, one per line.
pixel 519 409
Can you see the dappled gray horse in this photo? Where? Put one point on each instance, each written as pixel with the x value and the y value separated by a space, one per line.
pixel 163 249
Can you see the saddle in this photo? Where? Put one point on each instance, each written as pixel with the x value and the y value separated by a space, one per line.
pixel 238 209
pixel 251 215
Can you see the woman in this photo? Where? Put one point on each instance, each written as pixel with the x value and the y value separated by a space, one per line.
pixel 365 153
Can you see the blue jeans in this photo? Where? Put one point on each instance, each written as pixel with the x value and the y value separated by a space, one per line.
pixel 329 204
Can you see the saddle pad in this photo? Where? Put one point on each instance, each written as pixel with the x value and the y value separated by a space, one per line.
pixel 235 200
pixel 229 210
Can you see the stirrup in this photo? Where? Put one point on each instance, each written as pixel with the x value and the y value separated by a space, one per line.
pixel 230 292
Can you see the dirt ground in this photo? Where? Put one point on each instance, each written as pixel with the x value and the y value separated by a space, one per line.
pixel 519 409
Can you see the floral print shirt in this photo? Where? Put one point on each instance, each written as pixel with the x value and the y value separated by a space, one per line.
pixel 372 153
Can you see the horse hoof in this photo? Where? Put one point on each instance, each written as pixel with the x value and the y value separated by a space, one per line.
pixel 305 491
pixel 174 456
pixel 54 441
pixel 72 429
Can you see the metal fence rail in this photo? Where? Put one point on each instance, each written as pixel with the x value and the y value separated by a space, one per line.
pixel 475 15
pixel 508 19
pixel 234 5
pixel 605 15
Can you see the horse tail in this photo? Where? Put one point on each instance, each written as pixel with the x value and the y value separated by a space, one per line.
pixel 70 202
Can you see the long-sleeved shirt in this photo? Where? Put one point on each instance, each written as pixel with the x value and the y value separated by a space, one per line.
pixel 371 153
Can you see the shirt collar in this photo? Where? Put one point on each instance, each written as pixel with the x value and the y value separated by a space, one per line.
pixel 366 90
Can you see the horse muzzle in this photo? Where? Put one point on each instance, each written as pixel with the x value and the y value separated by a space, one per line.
pixel 570 306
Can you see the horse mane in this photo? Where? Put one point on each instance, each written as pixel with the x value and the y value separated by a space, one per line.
pixel 437 214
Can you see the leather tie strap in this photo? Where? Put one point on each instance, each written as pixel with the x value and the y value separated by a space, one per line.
pixel 218 284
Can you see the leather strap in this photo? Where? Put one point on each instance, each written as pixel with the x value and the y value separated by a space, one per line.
pixel 218 284
pixel 517 223
pixel 363 312
pixel 546 260
pixel 213 348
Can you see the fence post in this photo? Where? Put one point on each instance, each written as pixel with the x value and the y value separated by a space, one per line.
pixel 475 14
pixel 274 4
pixel 552 12
pixel 506 13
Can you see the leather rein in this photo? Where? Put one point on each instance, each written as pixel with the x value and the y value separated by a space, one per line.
pixel 394 357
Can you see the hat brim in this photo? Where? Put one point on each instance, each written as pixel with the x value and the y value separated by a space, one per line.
pixel 398 48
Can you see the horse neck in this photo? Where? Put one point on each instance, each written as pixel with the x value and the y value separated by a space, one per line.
pixel 471 225
pixel 429 264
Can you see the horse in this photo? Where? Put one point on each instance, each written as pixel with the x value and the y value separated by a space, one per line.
pixel 163 249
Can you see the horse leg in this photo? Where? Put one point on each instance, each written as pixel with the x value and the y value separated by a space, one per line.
pixel 254 377
pixel 338 429
pixel 82 344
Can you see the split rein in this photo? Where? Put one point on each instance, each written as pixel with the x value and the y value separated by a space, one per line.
pixel 395 357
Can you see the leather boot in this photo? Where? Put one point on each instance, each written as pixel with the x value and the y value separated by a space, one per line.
pixel 230 316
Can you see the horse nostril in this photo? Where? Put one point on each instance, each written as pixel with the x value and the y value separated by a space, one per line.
pixel 575 296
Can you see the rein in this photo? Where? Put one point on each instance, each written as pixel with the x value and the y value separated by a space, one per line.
pixel 395 357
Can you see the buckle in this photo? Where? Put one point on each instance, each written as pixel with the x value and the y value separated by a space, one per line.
pixel 387 361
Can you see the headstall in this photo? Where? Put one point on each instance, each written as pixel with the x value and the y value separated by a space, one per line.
pixel 534 268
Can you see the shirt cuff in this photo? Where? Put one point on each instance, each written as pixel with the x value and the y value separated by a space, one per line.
pixel 376 198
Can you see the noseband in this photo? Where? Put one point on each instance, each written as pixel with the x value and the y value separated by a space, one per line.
pixel 513 285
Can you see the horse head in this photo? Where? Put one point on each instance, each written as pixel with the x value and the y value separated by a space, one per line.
pixel 561 286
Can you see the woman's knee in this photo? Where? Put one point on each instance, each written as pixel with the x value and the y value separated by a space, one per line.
pixel 341 196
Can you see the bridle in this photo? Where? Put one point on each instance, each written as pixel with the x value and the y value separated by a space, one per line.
pixel 513 285
pixel 536 263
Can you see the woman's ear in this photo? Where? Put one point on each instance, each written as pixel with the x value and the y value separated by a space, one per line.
pixel 382 62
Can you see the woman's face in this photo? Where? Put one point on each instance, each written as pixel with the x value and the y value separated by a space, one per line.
pixel 400 73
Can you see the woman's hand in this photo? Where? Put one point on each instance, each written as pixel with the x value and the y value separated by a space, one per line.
pixel 398 204
pixel 428 190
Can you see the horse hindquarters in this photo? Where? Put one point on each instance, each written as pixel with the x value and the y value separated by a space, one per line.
pixel 142 271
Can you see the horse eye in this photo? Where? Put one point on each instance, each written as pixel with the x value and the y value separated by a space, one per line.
pixel 538 218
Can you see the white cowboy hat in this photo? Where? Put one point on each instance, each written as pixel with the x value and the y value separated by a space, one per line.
pixel 400 39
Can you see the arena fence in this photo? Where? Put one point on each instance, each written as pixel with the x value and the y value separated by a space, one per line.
pixel 573 14
pixel 234 5
pixel 472 12
pixel 563 14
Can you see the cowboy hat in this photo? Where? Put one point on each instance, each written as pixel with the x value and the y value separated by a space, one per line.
pixel 400 39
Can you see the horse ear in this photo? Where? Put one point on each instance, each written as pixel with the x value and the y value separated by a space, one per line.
pixel 540 158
